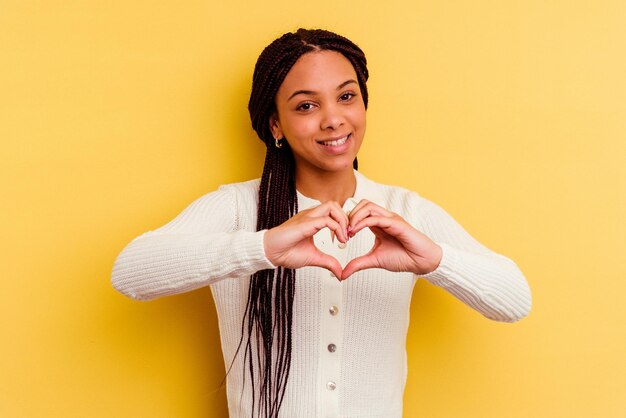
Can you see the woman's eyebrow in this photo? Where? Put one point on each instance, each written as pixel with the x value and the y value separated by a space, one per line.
pixel 311 92
pixel 345 83
pixel 295 93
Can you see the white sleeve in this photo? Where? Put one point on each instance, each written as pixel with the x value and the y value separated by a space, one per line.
pixel 200 246
pixel 486 281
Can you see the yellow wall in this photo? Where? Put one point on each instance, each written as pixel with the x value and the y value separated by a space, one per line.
pixel 115 115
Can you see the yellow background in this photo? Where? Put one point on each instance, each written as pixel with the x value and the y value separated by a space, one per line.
pixel 115 115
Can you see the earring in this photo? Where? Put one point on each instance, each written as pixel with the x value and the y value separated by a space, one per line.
pixel 278 143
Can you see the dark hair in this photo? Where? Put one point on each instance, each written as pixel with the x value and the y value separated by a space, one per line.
pixel 269 311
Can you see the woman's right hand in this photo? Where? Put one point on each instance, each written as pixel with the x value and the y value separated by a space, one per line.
pixel 291 243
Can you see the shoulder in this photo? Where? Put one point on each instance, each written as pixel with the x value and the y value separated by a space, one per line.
pixel 245 192
pixel 234 203
pixel 230 206
pixel 391 197
pixel 229 197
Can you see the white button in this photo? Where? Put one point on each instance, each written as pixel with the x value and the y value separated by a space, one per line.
pixel 342 245
pixel 332 348
pixel 331 385
pixel 333 310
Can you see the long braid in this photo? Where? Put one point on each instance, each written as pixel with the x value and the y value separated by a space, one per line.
pixel 267 322
pixel 273 290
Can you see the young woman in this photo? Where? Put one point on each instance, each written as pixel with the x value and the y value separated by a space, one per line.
pixel 312 266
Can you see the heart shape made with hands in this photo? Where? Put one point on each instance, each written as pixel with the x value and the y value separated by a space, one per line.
pixel 358 245
pixel 397 245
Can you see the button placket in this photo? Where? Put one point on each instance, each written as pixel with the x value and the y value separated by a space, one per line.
pixel 331 329
pixel 331 323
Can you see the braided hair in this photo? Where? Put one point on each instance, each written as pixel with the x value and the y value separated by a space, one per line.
pixel 269 312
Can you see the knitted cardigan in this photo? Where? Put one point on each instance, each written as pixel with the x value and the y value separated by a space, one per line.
pixel 348 356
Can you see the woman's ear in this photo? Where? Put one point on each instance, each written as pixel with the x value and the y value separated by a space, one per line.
pixel 277 132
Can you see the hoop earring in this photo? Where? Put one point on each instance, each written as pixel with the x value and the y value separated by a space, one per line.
pixel 278 143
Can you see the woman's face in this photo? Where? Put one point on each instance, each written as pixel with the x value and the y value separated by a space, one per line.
pixel 320 112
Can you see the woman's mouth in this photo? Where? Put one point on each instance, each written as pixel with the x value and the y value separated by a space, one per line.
pixel 334 142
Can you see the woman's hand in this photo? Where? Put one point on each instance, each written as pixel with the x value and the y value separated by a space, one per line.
pixel 291 243
pixel 398 246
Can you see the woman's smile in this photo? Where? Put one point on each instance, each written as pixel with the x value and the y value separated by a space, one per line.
pixel 335 145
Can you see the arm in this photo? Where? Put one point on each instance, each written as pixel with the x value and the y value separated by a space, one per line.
pixel 486 281
pixel 428 242
pixel 200 246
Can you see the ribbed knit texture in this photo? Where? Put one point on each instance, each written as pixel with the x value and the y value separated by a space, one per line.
pixel 214 242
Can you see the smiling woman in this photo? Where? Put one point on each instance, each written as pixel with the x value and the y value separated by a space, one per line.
pixel 321 114
pixel 311 347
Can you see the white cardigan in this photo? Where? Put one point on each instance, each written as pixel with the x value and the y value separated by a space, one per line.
pixel 214 242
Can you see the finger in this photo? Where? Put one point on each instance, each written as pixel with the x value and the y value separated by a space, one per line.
pixel 313 225
pixel 329 263
pixel 364 203
pixel 286 236
pixel 355 210
pixel 335 211
pixel 359 205
pixel 363 262
pixel 316 224
pixel 364 210
pixel 326 208
pixel 382 222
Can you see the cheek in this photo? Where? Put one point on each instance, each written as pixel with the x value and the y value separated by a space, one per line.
pixel 300 128
pixel 358 118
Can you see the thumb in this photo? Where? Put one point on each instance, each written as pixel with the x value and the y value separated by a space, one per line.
pixel 329 263
pixel 360 263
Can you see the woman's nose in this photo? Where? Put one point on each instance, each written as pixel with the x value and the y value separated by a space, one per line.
pixel 332 118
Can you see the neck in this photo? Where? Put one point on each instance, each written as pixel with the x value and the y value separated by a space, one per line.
pixel 327 186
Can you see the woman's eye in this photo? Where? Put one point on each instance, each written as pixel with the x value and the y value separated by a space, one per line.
pixel 347 96
pixel 305 106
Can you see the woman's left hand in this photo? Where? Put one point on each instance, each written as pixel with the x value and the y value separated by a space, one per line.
pixel 397 247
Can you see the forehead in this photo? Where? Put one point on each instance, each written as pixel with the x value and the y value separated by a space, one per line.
pixel 318 70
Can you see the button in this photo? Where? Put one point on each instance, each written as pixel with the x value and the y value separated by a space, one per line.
pixel 332 348
pixel 331 385
pixel 342 245
pixel 333 310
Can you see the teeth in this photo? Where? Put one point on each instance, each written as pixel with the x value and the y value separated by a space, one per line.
pixel 335 143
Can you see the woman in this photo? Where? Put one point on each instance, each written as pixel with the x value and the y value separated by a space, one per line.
pixel 312 266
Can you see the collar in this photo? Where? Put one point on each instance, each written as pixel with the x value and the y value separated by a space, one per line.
pixel 365 189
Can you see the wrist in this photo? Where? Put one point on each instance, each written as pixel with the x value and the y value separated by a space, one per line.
pixel 267 236
pixel 433 261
